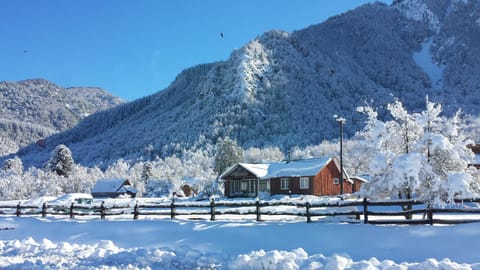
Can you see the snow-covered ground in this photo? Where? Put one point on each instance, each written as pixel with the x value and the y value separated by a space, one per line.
pixel 53 243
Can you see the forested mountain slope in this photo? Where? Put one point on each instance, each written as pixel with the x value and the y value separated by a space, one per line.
pixel 31 110
pixel 282 89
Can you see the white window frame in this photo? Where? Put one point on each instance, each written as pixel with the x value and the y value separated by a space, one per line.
pixel 284 183
pixel 336 181
pixel 304 182
pixel 248 186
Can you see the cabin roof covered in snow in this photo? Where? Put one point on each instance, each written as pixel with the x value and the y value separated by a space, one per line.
pixel 295 168
pixel 110 185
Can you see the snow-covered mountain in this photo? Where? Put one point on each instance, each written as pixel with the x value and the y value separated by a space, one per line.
pixel 31 110
pixel 283 89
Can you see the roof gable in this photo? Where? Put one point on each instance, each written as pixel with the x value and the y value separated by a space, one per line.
pixel 304 167
pixel 259 170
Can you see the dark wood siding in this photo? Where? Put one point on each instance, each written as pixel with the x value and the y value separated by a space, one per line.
pixel 294 188
pixel 357 184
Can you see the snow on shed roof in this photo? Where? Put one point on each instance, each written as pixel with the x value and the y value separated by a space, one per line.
pixel 304 167
pixel 363 178
pixel 109 185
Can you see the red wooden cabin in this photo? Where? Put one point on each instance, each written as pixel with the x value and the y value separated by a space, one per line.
pixel 316 176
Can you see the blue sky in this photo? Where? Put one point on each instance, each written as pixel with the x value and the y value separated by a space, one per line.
pixel 136 48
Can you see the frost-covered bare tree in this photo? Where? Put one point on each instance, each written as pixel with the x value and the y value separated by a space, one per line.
pixel 259 155
pixel 433 168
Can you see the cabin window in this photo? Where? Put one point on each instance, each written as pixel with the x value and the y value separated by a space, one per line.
pixel 247 186
pixel 242 187
pixel 304 183
pixel 251 186
pixel 285 183
pixel 264 186
pixel 336 181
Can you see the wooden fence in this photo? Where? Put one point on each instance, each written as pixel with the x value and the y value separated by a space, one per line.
pixel 366 211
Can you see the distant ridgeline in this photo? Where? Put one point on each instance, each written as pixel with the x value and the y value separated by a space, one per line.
pixel 282 89
pixel 32 110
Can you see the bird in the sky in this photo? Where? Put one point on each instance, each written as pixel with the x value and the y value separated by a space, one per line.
pixel 221 35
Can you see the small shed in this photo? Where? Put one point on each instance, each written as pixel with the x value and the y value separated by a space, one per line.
pixel 113 188
pixel 316 176
pixel 476 150
pixel 358 181
pixel 475 162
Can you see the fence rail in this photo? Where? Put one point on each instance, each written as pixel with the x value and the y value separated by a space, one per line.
pixel 366 211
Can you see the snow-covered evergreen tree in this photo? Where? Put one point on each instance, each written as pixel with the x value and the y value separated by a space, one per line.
pixel 228 153
pixel 146 171
pixel 61 161
pixel 14 165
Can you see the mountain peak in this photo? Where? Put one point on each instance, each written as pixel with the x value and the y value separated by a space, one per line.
pixel 425 11
pixel 38 82
pixel 281 89
pixel 253 64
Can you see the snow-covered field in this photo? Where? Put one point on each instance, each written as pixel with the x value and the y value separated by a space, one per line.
pixel 52 243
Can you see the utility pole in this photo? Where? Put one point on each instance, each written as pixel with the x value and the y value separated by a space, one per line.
pixel 341 121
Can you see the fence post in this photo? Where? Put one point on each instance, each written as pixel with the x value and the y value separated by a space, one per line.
pixel 18 212
pixel 307 208
pixel 44 209
pixel 257 206
pixel 102 210
pixel 365 211
pixel 430 214
pixel 71 210
pixel 135 211
pixel 172 208
pixel 212 209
